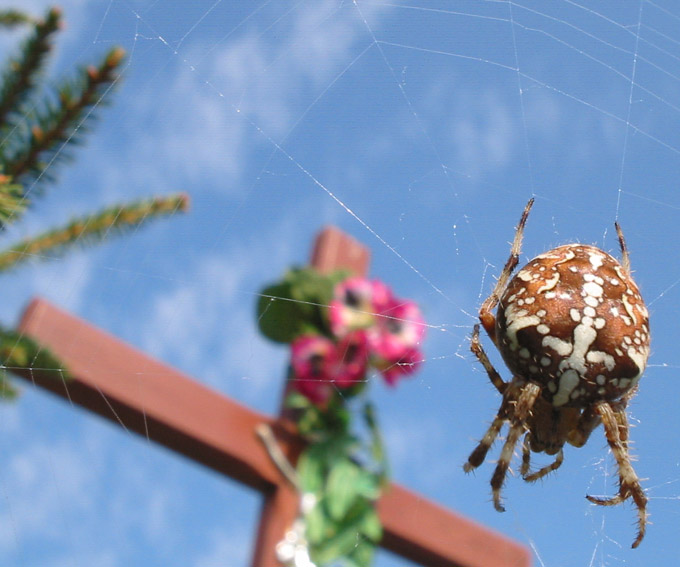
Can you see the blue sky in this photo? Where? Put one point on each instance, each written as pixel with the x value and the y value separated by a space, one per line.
pixel 419 127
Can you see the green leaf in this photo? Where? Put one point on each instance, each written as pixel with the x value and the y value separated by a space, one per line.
pixel 296 400
pixel 7 391
pixel 339 446
pixel 371 526
pixel 311 471
pixel 362 554
pixel 317 528
pixel 368 484
pixel 341 489
pixel 337 546
pixel 310 422
pixel 377 446
pixel 310 285
pixel 279 317
pixel 297 305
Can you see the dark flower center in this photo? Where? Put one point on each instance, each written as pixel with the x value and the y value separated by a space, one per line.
pixel 352 299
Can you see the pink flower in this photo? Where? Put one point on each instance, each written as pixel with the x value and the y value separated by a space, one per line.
pixel 399 327
pixel 372 328
pixel 312 358
pixel 352 359
pixel 395 339
pixel 320 366
pixel 352 306
pixel 381 296
pixel 393 370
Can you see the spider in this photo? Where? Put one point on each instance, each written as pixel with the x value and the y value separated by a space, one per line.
pixel 573 329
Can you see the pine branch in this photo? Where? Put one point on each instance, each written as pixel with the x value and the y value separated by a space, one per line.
pixel 14 18
pixel 12 201
pixel 58 123
pixel 90 229
pixel 18 351
pixel 19 77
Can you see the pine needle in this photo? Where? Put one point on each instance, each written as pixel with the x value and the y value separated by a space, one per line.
pixel 91 229
pixel 21 73
pixel 18 351
pixel 14 18
pixel 12 201
pixel 57 124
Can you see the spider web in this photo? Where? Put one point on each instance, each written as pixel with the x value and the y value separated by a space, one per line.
pixel 421 128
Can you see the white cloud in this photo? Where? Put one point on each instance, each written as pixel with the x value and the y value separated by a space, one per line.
pixel 64 281
pixel 41 480
pixel 253 87
pixel 485 132
pixel 197 135
pixel 73 14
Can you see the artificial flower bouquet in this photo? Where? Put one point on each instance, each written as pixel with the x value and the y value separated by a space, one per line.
pixel 343 331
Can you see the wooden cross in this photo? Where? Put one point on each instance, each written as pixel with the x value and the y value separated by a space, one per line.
pixel 148 397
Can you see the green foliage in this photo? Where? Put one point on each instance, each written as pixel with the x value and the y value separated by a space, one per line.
pixel 295 305
pixel 377 446
pixel 57 125
pixel 343 525
pixel 21 72
pixel 91 228
pixel 314 422
pixel 344 472
pixel 12 200
pixel 13 18
pixel 37 126
pixel 19 351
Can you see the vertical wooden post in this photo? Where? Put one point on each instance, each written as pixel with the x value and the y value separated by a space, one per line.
pixel 333 250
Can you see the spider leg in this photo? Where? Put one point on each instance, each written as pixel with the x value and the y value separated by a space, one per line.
pixel 478 455
pixel 619 411
pixel 518 425
pixel 485 312
pixel 625 257
pixel 478 351
pixel 540 473
pixel 629 482
pixel 587 423
pixel 526 456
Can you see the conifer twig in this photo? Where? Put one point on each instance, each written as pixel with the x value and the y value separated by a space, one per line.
pixel 14 18
pixel 18 351
pixel 18 79
pixel 90 229
pixel 34 132
pixel 56 125
pixel 12 200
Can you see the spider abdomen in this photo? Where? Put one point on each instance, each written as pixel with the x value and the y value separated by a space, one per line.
pixel 573 321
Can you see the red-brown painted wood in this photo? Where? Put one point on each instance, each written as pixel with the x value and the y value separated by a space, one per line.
pixel 334 250
pixel 143 395
pixel 148 397
pixel 433 536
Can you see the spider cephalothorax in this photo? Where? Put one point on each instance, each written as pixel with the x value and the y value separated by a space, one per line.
pixel 574 331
